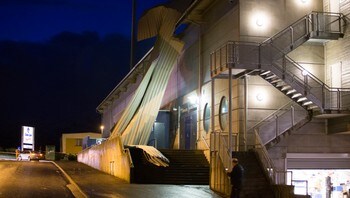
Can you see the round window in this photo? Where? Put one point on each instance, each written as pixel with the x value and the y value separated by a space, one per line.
pixel 206 118
pixel 223 114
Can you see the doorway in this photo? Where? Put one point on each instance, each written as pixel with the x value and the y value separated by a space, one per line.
pixel 188 129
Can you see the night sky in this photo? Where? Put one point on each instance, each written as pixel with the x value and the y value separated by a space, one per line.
pixel 58 60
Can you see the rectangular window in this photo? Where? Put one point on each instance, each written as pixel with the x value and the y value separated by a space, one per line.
pixel 78 142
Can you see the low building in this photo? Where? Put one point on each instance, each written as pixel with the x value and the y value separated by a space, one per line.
pixel 72 143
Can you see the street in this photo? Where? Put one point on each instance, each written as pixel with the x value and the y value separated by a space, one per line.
pixel 31 179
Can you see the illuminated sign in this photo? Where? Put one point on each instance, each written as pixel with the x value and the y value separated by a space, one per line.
pixel 27 137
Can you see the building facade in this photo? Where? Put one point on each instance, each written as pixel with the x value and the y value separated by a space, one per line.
pixel 73 143
pixel 270 75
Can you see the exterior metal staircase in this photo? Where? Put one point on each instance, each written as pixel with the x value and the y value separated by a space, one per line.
pixel 269 59
pixel 288 90
pixel 280 123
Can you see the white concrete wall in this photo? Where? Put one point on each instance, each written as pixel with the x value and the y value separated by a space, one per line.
pixel 108 157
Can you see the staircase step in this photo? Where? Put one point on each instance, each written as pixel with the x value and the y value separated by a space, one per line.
pixel 264 73
pixel 270 77
pixel 307 103
pixel 291 91
pixel 255 183
pixel 296 95
pixel 302 99
pixel 281 84
pixel 312 107
pixel 186 167
pixel 276 81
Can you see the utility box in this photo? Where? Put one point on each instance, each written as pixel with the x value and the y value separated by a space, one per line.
pixel 50 152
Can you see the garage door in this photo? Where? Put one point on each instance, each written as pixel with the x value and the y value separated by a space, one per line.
pixel 318 161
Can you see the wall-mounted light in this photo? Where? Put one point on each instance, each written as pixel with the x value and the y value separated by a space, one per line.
pixel 102 127
pixel 193 99
pixel 303 1
pixel 259 21
pixel 260 97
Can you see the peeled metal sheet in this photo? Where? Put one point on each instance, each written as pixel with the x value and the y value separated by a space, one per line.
pixel 137 120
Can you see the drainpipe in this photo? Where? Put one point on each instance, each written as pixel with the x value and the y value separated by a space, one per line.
pixel 199 90
pixel 245 112
pixel 230 111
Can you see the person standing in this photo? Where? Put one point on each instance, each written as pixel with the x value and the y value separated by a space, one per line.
pixel 236 176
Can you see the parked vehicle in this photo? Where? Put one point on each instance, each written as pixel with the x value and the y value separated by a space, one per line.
pixel 30 155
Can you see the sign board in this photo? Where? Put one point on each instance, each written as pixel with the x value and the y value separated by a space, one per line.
pixel 27 138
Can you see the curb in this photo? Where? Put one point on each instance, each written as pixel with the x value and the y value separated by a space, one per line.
pixel 72 186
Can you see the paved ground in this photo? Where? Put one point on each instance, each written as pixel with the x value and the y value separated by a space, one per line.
pixel 95 183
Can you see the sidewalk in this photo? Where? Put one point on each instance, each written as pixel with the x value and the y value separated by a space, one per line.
pixel 95 183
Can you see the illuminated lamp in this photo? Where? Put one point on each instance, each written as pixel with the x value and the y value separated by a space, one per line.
pixel 260 97
pixel 259 21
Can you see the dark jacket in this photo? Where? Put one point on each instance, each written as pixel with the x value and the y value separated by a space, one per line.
pixel 237 176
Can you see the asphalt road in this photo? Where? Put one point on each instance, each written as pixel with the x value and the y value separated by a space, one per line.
pixel 31 179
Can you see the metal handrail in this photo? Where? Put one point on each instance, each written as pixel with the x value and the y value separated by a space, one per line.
pixel 205 142
pixel 277 111
pixel 271 171
pixel 324 96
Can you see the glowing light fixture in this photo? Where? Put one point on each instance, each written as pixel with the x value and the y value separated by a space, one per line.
pixel 193 99
pixel 259 21
pixel 260 97
pixel 102 127
pixel 303 1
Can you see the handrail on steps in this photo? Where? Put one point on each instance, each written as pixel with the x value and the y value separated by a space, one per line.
pixel 275 176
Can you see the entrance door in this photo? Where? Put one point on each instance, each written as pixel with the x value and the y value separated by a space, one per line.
pixel 188 129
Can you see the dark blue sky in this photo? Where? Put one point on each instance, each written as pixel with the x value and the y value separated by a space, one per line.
pixel 58 60
pixel 38 20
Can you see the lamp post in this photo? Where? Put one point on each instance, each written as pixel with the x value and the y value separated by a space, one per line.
pixel 102 127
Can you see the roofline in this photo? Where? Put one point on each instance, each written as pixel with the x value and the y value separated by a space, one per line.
pixel 181 19
pixel 187 11
pixel 123 80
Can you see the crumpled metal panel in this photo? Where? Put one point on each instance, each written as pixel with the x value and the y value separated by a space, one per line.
pixel 137 120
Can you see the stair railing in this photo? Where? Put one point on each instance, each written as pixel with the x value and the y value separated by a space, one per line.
pixel 311 25
pixel 275 176
pixel 277 124
pixel 221 145
pixel 254 55
pixel 273 114
pixel 205 142
pixel 271 55
pixel 324 96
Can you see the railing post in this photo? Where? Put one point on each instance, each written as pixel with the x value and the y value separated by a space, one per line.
pixel 323 96
pixel 284 67
pixel 305 84
pixel 293 115
pixel 338 97
pixel 292 37
pixel 276 125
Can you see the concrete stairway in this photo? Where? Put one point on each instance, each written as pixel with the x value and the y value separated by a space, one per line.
pixel 255 184
pixel 187 167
